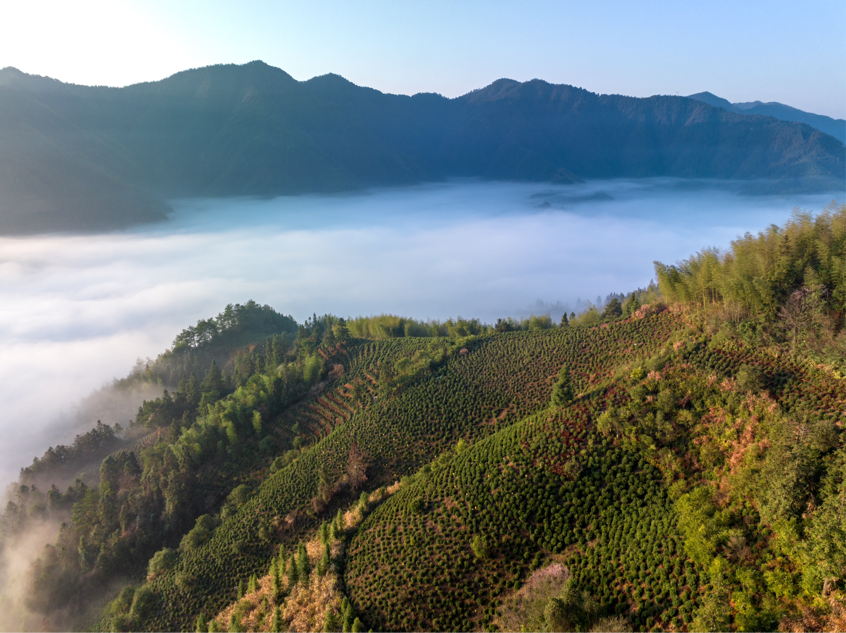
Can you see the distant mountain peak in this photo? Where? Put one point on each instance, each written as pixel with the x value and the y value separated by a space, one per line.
pixel 832 127
pixel 711 99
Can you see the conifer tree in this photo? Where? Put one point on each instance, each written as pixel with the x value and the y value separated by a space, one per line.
pixel 342 334
pixel 303 564
pixel 562 392
pixel 276 624
pixel 330 623
pixel 325 561
pixel 293 572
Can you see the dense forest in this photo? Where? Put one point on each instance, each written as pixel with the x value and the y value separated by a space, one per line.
pixel 671 460
pixel 88 158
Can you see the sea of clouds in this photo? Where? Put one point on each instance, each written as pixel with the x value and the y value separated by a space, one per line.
pixel 76 311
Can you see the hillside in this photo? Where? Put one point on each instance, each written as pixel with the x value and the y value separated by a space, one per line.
pixel 94 158
pixel 669 463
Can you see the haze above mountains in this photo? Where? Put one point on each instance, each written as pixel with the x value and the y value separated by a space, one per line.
pixel 78 158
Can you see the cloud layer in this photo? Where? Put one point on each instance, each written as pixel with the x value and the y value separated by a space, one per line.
pixel 76 311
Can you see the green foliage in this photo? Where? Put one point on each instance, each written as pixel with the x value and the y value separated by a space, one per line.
pixel 696 480
pixel 823 554
pixel 161 562
pixel 199 534
pixel 703 525
pixel 759 273
pixel 562 391
pixel 480 547
pixel 142 601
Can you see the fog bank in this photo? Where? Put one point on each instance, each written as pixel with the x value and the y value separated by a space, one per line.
pixel 77 311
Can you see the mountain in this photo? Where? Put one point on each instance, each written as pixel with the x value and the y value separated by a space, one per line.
pixel 95 158
pixel 832 127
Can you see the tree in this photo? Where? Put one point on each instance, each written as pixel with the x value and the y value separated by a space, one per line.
pixel 480 547
pixel 562 391
pixel 303 564
pixel 142 601
pixel 613 309
pixel 161 562
pixel 276 625
pixel 234 624
pixel 329 339
pixel 631 306
pixel 565 322
pixel 356 467
pixel 213 382
pixel 342 334
pixel 330 623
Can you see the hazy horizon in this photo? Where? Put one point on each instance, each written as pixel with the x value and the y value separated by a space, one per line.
pixel 82 308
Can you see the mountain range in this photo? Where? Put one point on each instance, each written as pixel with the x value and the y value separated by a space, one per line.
pixel 832 127
pixel 86 158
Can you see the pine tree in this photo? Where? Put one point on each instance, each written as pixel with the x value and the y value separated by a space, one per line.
pixel 330 623
pixel 325 561
pixel 303 564
pixel 276 625
pixel 293 572
pixel 329 339
pixel 562 392
pixel 213 382
pixel 342 334
pixel 201 625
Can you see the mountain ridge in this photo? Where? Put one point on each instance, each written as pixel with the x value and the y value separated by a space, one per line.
pixel 252 129
pixel 828 125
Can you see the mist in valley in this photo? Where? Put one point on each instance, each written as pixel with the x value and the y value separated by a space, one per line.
pixel 79 310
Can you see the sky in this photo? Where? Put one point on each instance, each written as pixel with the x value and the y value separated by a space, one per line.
pixel 767 50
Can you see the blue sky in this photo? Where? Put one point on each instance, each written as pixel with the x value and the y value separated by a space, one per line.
pixel 770 50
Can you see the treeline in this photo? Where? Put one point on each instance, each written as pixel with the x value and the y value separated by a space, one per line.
pixel 760 273
pixel 615 306
pixel 95 444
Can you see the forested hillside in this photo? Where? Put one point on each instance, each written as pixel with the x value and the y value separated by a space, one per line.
pixel 95 158
pixel 671 462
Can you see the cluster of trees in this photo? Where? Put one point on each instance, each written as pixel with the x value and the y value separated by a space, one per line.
pixel 387 326
pixel 208 431
pixel 250 317
pixel 759 274
pixel 86 447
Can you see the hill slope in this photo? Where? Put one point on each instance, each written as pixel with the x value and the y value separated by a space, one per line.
pixel 675 466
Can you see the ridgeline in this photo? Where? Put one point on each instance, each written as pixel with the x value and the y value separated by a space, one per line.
pixel 80 158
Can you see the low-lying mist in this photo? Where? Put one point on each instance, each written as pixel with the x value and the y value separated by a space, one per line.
pixel 77 311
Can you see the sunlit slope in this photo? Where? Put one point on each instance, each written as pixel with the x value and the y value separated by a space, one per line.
pixel 412 565
pixel 402 413
pixel 616 487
